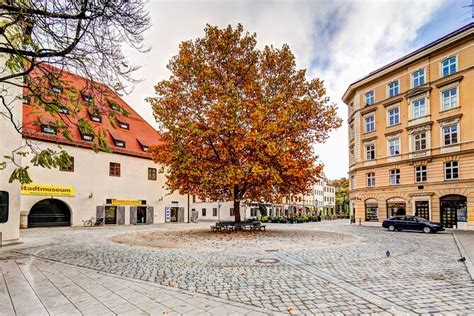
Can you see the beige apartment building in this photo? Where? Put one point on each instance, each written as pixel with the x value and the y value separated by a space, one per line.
pixel 411 135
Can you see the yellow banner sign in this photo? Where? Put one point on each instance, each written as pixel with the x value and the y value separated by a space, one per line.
pixel 47 190
pixel 126 202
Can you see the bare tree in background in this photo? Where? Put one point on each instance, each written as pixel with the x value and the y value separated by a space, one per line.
pixel 44 38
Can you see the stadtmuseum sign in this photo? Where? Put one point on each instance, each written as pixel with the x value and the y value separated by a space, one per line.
pixel 47 190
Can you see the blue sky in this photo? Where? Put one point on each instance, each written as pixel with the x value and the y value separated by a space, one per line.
pixel 338 41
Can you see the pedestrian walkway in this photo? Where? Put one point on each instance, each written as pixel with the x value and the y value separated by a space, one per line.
pixel 465 240
pixel 32 286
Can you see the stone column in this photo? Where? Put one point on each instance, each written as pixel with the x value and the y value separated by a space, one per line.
pixel 24 219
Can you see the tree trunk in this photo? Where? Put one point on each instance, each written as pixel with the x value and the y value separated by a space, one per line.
pixel 237 210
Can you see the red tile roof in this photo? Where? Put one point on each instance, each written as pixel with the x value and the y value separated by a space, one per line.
pixel 139 134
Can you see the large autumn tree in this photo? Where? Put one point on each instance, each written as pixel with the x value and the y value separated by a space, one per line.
pixel 238 122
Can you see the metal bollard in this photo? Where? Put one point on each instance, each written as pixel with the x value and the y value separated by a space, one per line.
pixel 1 240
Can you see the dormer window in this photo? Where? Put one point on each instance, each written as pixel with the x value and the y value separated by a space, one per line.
pixel 87 98
pixel 56 89
pixel 124 125
pixel 114 106
pixel 143 144
pixel 87 137
pixel 48 129
pixel 119 143
pixel 96 118
pixel 63 110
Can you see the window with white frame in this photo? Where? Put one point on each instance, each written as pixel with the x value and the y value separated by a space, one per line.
pixel 369 124
pixel 451 170
pixel 394 176
pixel 448 66
pixel 370 151
pixel 393 89
pixel 370 97
pixel 394 146
pixel 419 140
pixel 421 173
pixel 418 78
pixel 450 134
pixel 393 116
pixel 371 179
pixel 352 183
pixel 449 99
pixel 418 108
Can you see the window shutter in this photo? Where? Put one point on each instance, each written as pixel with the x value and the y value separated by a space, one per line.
pixel 121 215
pixel 133 215
pixel 181 214
pixel 100 212
pixel 149 214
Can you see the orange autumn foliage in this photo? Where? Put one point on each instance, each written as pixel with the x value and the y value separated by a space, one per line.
pixel 238 122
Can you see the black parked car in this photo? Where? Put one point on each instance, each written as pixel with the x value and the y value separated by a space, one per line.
pixel 407 222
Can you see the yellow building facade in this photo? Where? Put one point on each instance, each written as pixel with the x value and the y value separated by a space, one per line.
pixel 411 135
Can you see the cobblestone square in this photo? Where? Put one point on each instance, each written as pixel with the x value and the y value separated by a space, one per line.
pixel 312 268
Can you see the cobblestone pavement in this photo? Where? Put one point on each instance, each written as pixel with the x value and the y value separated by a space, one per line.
pixel 422 275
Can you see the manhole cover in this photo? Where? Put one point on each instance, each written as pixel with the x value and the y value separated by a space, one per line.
pixel 267 260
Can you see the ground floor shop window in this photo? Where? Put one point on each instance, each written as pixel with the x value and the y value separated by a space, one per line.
pixel 453 210
pixel 111 215
pixel 396 207
pixel 253 212
pixel 3 206
pixel 422 209
pixel 371 210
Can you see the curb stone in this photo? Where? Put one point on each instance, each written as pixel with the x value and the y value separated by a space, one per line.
pixel 468 263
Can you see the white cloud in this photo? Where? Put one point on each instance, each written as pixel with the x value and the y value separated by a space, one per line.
pixel 350 39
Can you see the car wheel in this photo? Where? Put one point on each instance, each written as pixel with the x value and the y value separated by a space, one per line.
pixel 391 228
pixel 427 230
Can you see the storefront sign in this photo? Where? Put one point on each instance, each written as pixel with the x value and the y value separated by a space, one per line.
pixel 126 202
pixel 47 190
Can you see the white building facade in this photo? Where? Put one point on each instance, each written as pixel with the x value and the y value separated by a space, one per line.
pixel 120 187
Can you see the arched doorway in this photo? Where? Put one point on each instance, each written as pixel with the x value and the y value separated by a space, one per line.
pixel 49 212
pixel 453 209
pixel 371 210
pixel 396 207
